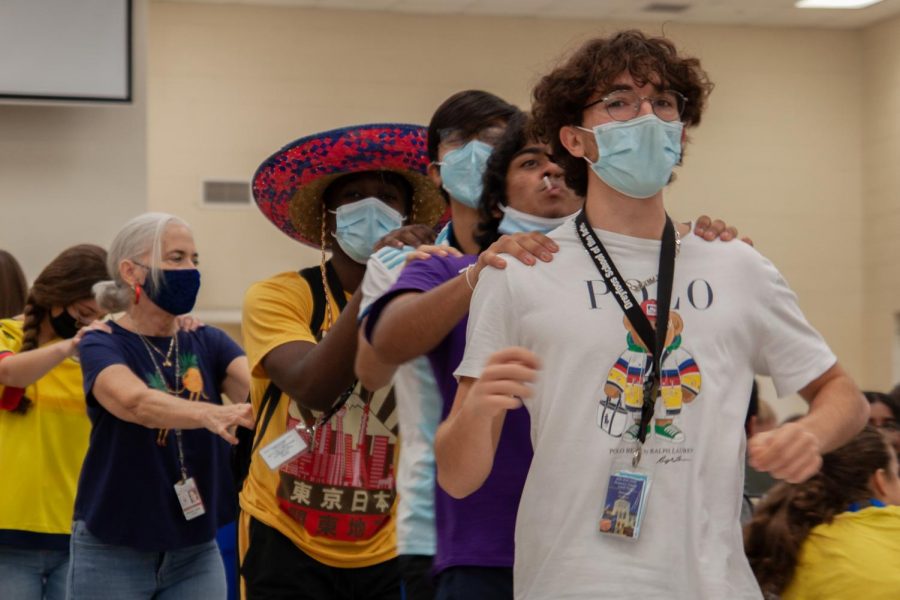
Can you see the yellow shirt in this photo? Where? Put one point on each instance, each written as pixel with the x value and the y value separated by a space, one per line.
pixel 336 502
pixel 42 450
pixel 855 556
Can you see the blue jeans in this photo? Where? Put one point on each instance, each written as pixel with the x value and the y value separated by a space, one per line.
pixel 98 570
pixel 33 574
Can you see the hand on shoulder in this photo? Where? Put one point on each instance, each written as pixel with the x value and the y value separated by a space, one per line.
pixel 527 248
pixel 708 229
pixel 426 251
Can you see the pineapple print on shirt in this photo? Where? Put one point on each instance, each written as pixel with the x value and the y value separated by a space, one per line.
pixel 189 385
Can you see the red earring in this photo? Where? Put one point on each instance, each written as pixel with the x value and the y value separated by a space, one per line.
pixel 137 293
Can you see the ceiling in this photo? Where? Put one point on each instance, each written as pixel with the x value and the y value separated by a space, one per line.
pixel 721 12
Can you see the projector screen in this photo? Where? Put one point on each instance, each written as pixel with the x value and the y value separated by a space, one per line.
pixel 66 50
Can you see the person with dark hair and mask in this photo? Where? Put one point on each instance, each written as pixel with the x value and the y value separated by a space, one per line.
pixel 633 352
pixel 321 522
pixel 155 484
pixel 43 426
pixel 461 134
pixel 423 314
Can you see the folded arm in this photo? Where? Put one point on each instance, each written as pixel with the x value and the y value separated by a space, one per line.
pixel 413 323
pixel 372 371
pixel 316 374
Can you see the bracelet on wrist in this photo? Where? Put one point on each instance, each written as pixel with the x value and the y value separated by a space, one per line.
pixel 469 283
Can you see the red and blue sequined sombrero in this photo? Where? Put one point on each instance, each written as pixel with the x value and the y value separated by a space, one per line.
pixel 288 186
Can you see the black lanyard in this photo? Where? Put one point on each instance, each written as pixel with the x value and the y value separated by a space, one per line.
pixel 654 341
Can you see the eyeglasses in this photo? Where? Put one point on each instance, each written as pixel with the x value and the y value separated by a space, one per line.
pixel 624 105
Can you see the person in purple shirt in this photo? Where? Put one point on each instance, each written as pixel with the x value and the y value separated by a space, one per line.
pixel 425 313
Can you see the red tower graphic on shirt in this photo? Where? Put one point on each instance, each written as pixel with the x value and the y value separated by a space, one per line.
pixel 343 487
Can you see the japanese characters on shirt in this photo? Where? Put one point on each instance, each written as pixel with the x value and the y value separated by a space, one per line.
pixel 343 486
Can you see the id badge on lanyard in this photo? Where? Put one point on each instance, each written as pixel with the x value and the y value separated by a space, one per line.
pixel 628 484
pixel 291 443
pixel 186 489
pixel 286 446
pixel 189 498
pixel 627 489
pixel 625 503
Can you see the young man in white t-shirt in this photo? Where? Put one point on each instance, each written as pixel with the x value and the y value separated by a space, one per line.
pixel 554 338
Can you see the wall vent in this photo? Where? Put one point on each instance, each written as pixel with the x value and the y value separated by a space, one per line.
pixel 226 193
pixel 666 7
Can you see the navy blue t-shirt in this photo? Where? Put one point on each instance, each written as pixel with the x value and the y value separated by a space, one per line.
pixel 125 493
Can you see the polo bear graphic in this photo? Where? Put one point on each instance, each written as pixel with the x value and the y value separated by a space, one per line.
pixel 624 389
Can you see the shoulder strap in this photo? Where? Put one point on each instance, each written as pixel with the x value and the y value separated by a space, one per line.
pixel 266 408
pixel 334 284
pixel 313 276
pixel 314 279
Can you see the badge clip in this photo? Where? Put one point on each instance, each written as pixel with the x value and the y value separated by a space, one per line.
pixel 189 498
pixel 287 446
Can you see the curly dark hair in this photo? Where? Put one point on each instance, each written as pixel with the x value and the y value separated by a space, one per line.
pixel 559 97
pixel 784 518
pixel 518 133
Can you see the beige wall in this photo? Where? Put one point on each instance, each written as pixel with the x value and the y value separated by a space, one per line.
pixel 881 206
pixel 778 153
pixel 73 174
pixel 782 152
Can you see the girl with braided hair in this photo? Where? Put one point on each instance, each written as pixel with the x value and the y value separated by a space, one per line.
pixel 44 428
pixel 837 535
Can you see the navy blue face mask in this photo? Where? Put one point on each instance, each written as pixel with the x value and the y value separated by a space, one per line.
pixel 177 291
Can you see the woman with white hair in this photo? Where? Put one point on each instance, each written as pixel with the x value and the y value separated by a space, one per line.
pixel 156 483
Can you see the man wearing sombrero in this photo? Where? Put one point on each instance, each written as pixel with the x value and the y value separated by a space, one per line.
pixel 318 506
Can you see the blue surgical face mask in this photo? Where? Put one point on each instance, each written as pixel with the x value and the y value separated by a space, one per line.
pixel 462 171
pixel 177 290
pixel 358 225
pixel 516 221
pixel 636 157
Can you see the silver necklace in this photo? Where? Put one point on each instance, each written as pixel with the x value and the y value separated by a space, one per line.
pixel 167 357
pixel 636 285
